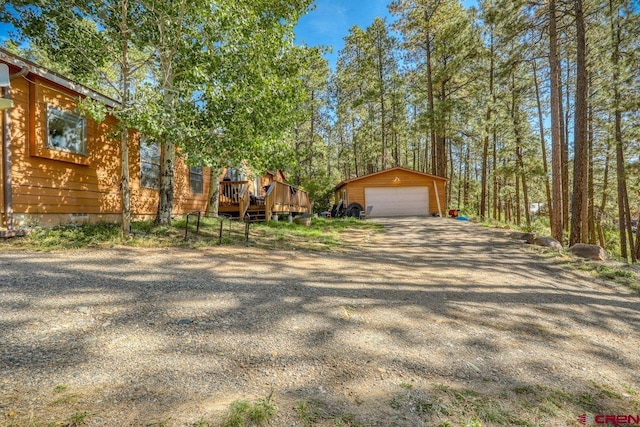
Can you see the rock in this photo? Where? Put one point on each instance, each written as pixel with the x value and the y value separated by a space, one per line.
pixel 547 242
pixel 584 250
pixel 303 220
pixel 183 322
pixel 523 236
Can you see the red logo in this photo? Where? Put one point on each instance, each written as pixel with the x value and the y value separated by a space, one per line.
pixel 616 420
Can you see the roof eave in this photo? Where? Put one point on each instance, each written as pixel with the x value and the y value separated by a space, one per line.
pixel 56 78
pixel 347 181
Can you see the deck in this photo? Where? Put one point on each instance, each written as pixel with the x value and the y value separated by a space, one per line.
pixel 279 198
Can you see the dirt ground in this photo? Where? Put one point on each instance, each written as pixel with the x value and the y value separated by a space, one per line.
pixel 431 322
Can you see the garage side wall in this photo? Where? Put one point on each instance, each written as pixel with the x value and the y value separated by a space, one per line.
pixel 395 178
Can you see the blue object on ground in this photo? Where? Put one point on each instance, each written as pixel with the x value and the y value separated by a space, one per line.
pixel 462 218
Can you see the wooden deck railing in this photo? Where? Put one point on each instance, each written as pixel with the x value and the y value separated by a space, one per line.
pixel 244 200
pixel 231 192
pixel 283 197
pixel 279 198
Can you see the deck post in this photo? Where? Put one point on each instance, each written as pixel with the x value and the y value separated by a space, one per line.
pixel 435 186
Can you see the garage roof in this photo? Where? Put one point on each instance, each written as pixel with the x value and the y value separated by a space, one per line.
pixel 343 183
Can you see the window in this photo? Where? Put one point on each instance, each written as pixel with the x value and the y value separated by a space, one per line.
pixel 66 131
pixel 149 164
pixel 195 180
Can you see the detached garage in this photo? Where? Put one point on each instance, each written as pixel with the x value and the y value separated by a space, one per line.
pixel 392 192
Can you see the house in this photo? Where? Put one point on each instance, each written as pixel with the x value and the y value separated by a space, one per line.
pixel 62 167
pixel 392 192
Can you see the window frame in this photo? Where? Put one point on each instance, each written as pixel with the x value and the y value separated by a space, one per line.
pixel 193 172
pixel 145 178
pixel 52 110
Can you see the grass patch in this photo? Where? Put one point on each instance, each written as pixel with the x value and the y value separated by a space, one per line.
pixel 65 399
pixel 323 234
pixel 622 274
pixel 201 423
pixel 525 405
pixel 244 413
pixel 77 419
pixel 60 388
pixel 311 413
pixel 67 237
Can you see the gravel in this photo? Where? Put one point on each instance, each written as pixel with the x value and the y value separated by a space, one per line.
pixel 174 336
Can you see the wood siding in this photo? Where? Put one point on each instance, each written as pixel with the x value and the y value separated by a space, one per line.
pixel 51 185
pixel 144 201
pixel 394 178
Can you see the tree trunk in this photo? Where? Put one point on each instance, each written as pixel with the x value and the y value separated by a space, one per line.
pixel 591 190
pixel 485 145
pixel 167 169
pixel 214 191
pixel 383 130
pixel 167 148
pixel 448 190
pixel 430 97
pixel 520 172
pixel 518 207
pixel 627 212
pixel 545 166
pixel 125 181
pixel 556 210
pixel 355 148
pixel 459 183
pixel 467 177
pixel 441 140
pixel 494 164
pixel 605 189
pixel 312 131
pixel 620 164
pixel 638 239
pixel 125 184
pixel 564 132
pixel 579 202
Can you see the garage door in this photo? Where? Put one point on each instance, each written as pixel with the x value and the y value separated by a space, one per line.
pixel 397 201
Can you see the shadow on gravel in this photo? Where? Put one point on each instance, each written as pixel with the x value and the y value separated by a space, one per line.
pixel 436 321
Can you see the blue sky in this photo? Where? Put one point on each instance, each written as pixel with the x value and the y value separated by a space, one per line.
pixel 330 21
pixel 4 31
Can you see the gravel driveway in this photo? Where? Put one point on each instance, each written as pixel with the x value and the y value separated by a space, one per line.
pixel 432 321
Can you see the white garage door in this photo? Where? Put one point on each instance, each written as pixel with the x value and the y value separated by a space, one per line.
pixel 397 201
